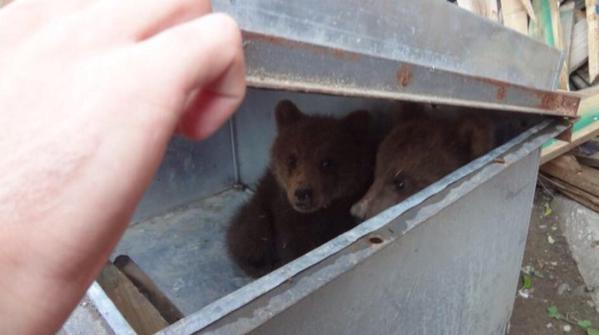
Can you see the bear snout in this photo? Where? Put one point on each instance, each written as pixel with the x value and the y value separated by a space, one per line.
pixel 304 194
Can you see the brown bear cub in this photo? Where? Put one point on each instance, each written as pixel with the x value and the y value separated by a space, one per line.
pixel 319 167
pixel 419 151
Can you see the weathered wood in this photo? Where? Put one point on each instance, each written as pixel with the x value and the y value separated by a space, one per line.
pixel 514 15
pixel 528 7
pixel 567 169
pixel 593 39
pixel 148 288
pixel 486 8
pixel 566 12
pixel 588 92
pixel 134 306
pixel 579 53
pixel 572 192
pixel 588 106
pixel 560 147
pixel 559 43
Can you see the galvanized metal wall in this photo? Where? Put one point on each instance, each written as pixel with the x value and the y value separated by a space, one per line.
pixel 189 171
pixel 456 273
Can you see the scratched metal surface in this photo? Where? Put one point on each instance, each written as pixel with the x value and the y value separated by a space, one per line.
pixel 184 251
pixel 431 33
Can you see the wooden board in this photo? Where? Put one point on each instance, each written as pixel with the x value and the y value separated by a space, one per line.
pixel 514 15
pixel 137 310
pixel 587 111
pixel 579 53
pixel 559 43
pixel 593 39
pixel 148 288
pixel 588 92
pixel 566 12
pixel 486 8
pixel 572 192
pixel 582 177
pixel 528 7
pixel 560 147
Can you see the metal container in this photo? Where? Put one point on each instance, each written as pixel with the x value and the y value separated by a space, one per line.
pixel 444 261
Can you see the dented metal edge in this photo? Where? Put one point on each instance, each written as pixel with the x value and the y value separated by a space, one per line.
pixel 283 64
pixel 485 169
pixel 110 313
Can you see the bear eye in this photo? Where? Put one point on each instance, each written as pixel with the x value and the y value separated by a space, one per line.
pixel 292 162
pixel 326 163
pixel 399 183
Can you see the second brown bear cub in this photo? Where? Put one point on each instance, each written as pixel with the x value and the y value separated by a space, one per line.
pixel 320 166
pixel 418 152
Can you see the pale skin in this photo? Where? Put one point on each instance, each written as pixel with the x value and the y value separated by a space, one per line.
pixel 90 93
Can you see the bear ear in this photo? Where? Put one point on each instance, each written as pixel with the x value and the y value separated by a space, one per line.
pixel 287 113
pixel 358 121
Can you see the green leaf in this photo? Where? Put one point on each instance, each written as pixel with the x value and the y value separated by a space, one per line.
pixel 554 313
pixel 591 331
pixel 584 324
pixel 548 210
pixel 527 282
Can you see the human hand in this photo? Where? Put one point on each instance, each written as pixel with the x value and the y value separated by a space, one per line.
pixel 90 93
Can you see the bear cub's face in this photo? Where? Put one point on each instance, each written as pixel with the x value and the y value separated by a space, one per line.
pixel 418 153
pixel 319 159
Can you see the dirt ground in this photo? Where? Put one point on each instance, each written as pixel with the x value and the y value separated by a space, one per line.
pixel 554 280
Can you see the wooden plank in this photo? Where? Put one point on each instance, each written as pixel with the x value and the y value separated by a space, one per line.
pixel 559 43
pixel 136 308
pixel 588 92
pixel 148 288
pixel 581 176
pixel 560 147
pixel 564 164
pixel 579 53
pixel 528 7
pixel 486 8
pixel 536 29
pixel 547 26
pixel 572 192
pixel 514 15
pixel 593 39
pixel 566 13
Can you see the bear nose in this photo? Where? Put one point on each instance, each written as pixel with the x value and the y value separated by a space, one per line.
pixel 303 194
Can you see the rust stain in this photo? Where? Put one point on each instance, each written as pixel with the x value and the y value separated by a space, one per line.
pixel 404 75
pixel 562 103
pixel 278 41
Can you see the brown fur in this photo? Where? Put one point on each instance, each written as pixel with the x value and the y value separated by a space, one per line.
pixel 418 152
pixel 319 167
